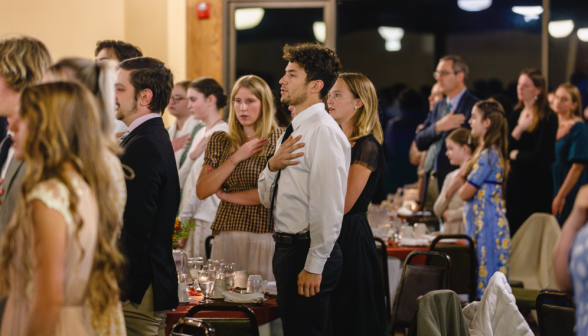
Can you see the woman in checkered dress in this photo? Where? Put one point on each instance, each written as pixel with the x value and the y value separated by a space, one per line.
pixel 232 164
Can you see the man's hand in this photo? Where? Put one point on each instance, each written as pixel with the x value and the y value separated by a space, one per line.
pixel 181 142
pixel 284 156
pixel 309 284
pixel 449 122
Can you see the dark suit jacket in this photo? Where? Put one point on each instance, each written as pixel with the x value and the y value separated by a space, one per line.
pixel 428 136
pixel 153 198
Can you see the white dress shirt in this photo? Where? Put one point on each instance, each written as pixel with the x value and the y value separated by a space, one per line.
pixel 188 127
pixel 192 207
pixel 8 157
pixel 311 195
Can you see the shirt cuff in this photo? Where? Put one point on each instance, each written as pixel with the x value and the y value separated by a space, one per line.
pixel 268 176
pixel 314 265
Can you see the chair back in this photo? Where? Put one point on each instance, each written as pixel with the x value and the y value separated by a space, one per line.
pixel 188 326
pixel 229 326
pixel 464 264
pixel 426 217
pixel 208 246
pixel 555 320
pixel 418 280
pixel 383 258
pixel 531 254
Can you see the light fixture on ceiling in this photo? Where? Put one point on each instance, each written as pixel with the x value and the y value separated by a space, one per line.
pixel 474 5
pixel 583 34
pixel 560 29
pixel 392 35
pixel 247 18
pixel 320 31
pixel 528 12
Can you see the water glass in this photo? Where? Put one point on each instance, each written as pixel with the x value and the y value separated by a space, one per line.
pixel 199 262
pixel 254 283
pixel 206 281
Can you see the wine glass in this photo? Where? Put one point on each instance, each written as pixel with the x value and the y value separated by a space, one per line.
pixel 206 282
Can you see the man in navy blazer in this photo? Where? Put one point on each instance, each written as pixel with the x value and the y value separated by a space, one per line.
pixel 143 88
pixel 450 113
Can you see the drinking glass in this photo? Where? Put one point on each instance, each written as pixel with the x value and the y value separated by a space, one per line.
pixel 206 282
pixel 216 264
pixel 199 261
pixel 229 275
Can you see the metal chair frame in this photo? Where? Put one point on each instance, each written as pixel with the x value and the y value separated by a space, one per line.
pixel 383 253
pixel 550 295
pixel 194 322
pixel 228 307
pixel 473 260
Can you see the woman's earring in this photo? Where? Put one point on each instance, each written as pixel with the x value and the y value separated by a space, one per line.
pixel 536 97
pixel 356 107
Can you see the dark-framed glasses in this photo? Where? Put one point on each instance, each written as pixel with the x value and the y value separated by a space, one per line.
pixel 176 99
pixel 443 73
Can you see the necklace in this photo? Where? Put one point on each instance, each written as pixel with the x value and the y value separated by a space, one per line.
pixel 216 122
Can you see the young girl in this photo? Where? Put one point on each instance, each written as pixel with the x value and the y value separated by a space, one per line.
pixel 484 217
pixel 460 146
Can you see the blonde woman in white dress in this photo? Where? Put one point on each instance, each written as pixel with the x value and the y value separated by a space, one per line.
pixel 59 265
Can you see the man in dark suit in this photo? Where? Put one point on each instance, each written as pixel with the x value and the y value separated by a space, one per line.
pixel 150 288
pixel 450 113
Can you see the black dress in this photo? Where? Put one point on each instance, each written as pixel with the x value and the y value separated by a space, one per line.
pixel 529 187
pixel 358 302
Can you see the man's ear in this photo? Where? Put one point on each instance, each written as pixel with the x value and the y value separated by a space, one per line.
pixel 316 86
pixel 145 97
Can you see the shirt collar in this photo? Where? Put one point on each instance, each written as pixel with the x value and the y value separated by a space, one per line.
pixel 141 120
pixel 307 114
pixel 453 102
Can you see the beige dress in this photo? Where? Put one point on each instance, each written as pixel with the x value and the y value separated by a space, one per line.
pixel 74 316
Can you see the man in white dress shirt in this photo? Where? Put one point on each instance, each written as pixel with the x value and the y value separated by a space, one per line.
pixel 310 180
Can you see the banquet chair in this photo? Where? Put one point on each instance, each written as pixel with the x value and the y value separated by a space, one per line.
pixel 464 264
pixel 418 280
pixel 188 326
pixel 531 259
pixel 208 246
pixel 383 257
pixel 240 326
pixel 555 320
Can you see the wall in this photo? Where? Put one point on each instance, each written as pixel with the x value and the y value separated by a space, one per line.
pixel 72 27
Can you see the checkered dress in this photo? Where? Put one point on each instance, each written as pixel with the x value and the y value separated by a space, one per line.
pixel 234 217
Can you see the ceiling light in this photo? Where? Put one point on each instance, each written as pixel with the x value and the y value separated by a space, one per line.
pixel 560 29
pixel 320 31
pixel 392 35
pixel 583 34
pixel 247 18
pixel 474 5
pixel 528 12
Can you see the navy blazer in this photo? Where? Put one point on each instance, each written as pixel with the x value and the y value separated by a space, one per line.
pixel 427 135
pixel 153 199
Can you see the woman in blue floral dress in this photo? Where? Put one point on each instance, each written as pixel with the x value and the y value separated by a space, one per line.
pixel 484 216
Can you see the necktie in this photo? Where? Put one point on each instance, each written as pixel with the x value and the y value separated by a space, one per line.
pixel 4 150
pixel 435 146
pixel 287 134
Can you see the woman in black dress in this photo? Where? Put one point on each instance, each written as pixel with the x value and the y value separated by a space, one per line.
pixel 353 104
pixel 532 130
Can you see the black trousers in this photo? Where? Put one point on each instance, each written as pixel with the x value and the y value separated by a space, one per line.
pixel 302 316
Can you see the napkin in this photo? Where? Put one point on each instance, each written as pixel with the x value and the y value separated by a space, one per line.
pixel 243 298
pixel 413 242
pixel 271 288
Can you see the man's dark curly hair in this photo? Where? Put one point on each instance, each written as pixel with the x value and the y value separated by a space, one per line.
pixel 150 73
pixel 121 50
pixel 319 62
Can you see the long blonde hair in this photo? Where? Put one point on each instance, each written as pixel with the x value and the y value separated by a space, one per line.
pixel 62 119
pixel 365 120
pixel 265 123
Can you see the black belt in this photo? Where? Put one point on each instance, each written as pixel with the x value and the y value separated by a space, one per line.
pixel 289 238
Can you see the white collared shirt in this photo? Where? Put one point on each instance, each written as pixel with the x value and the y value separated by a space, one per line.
pixel 8 158
pixel 311 195
pixel 143 119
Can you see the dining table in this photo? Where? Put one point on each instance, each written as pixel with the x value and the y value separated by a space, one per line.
pixel 267 314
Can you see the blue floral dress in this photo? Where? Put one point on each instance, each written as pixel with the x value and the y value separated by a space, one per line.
pixel 578 268
pixel 484 216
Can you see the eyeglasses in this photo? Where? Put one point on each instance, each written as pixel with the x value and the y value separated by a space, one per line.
pixel 177 99
pixel 443 73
